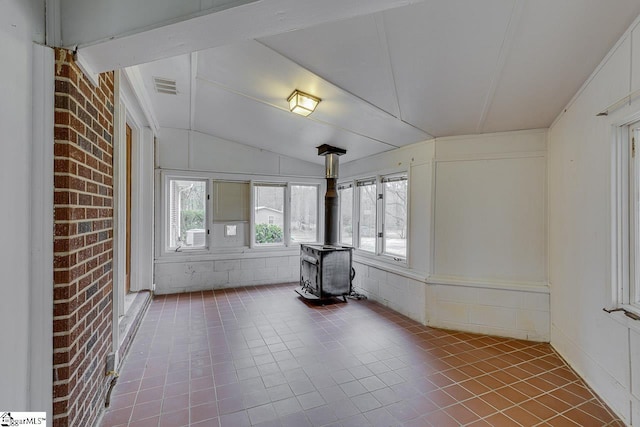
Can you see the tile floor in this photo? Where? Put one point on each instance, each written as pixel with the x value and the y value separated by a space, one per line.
pixel 262 356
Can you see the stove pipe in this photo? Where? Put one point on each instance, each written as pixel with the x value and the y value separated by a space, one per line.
pixel 331 201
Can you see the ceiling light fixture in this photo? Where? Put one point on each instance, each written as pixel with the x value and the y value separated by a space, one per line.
pixel 302 103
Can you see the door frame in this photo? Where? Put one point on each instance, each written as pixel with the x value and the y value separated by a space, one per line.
pixel 40 384
pixel 128 112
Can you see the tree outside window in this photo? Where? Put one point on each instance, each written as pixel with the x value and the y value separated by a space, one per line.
pixel 395 216
pixel 187 213
pixel 367 216
pixel 304 213
pixel 345 193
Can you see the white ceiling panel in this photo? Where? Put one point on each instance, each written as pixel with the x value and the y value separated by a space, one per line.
pixel 260 73
pixel 237 118
pixel 352 54
pixel 171 111
pixel 556 48
pixel 391 78
pixel 444 56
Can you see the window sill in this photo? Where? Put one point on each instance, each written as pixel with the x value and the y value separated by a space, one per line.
pixel 623 319
pixel 214 254
pixel 395 267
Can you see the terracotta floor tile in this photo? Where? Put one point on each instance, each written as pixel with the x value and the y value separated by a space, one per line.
pixel 582 418
pixel 262 356
pixel 513 395
pixel 479 407
pixel 461 413
pixel 521 416
pixel 538 409
pixel 497 400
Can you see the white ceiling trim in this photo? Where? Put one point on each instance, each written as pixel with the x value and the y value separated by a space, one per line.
pixel 132 75
pixel 505 49
pixel 249 21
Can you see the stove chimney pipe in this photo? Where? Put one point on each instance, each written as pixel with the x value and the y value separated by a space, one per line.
pixel 331 201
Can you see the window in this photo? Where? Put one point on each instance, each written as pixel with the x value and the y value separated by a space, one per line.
pixel 345 195
pixel 632 294
pixel 187 213
pixel 625 241
pixel 367 214
pixel 269 214
pixel 304 213
pixel 380 206
pixel 395 215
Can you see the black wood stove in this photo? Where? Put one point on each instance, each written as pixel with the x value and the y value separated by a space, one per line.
pixel 326 270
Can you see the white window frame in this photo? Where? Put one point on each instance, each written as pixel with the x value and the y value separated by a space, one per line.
pixel 379 252
pixel 356 210
pixel 383 191
pixel 167 216
pixel 625 215
pixel 319 224
pixel 286 243
pixel 285 215
pixel 343 186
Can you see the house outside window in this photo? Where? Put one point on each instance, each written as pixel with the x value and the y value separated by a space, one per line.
pixel 269 214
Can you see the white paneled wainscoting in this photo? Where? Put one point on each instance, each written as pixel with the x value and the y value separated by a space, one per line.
pixel 193 274
pixel 516 311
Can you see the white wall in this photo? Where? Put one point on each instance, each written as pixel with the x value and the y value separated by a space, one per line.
pixel 489 235
pixel 603 348
pixel 477 221
pixel 402 288
pixel 224 264
pixel 21 23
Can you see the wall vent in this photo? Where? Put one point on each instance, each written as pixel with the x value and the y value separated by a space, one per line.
pixel 167 86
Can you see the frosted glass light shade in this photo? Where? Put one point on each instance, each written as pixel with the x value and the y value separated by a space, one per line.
pixel 302 103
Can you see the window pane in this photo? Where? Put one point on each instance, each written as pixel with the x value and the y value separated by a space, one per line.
pixel 395 218
pixel 304 213
pixel 187 213
pixel 367 217
pixel 346 215
pixel 269 214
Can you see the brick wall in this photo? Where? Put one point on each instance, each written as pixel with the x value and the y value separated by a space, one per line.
pixel 83 242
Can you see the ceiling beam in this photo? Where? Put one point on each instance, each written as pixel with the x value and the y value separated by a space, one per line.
pixel 248 21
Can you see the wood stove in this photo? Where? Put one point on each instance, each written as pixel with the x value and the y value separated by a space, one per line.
pixel 326 270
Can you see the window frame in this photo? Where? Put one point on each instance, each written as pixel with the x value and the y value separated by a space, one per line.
pixel 340 187
pixel 631 295
pixel 319 222
pixel 286 242
pixel 378 181
pixel 285 216
pixel 625 216
pixel 357 209
pixel 167 248
pixel 383 180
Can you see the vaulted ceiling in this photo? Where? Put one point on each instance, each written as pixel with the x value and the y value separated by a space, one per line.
pixel 392 78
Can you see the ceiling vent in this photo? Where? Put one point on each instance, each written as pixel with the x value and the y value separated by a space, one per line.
pixel 166 86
